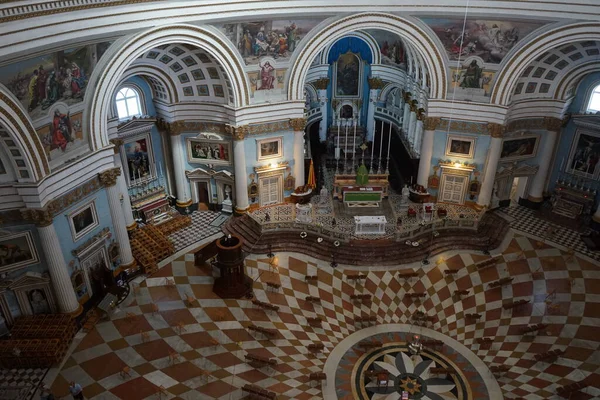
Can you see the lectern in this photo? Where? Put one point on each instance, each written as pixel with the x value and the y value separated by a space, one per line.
pixel 233 282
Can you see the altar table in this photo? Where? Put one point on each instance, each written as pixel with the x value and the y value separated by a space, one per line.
pixel 370 225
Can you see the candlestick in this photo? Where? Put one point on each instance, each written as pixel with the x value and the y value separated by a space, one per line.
pixel 387 163
pixel 354 145
pixel 345 145
pixel 372 149
pixel 380 148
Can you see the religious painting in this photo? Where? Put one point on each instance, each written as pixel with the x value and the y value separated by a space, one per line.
pixel 460 146
pixel 138 159
pixel 16 251
pixel 38 302
pixel 391 47
pixel 269 148
pixel 83 220
pixel 267 77
pixel 490 40
pixel 276 39
pixel 519 148
pixel 79 283
pixel 60 76
pixel 585 153
pixel 347 75
pixel 208 151
pixel 63 134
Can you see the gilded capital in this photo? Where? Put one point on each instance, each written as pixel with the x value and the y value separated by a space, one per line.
pixel 237 132
pixel 431 123
pixel 41 217
pixel 376 83
pixel 420 114
pixel 407 96
pixel 495 130
pixel 109 177
pixel 553 124
pixel 175 128
pixel 298 124
pixel 321 84
pixel 414 106
pixel 118 143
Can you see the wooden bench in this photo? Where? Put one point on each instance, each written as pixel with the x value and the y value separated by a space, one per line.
pixel 311 278
pixel 313 299
pixel 549 355
pixel 408 275
pixel 259 393
pixel 260 361
pixel 490 262
pixel 422 317
pixel 451 271
pixel 315 322
pixel 500 368
pixel 533 328
pixel 416 295
pixel 273 285
pixel 356 277
pixel 264 305
pixel 459 293
pixel 432 343
pixel 484 340
pixel 501 282
pixel 514 304
pixel 317 376
pixel 265 331
pixel 361 297
pixel 472 316
pixel 567 390
pixel 316 347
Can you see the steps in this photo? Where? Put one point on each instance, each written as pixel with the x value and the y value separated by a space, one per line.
pixel 492 230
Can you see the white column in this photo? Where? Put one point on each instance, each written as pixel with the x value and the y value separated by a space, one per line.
pixel 298 125
pixel 406 118
pixel 487 185
pixel 412 126
pixel 418 136
pixel 239 163
pixel 59 275
pixel 429 125
pixel 322 95
pixel 183 198
pixel 538 184
pixel 109 180
pixel 373 95
pixel 124 194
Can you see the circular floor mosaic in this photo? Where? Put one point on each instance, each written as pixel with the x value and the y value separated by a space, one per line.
pixel 389 371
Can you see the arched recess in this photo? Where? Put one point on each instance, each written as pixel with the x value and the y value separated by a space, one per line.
pixel 368 39
pixel 157 74
pixel 572 79
pixel 125 51
pixel 15 122
pixel 518 61
pixel 410 32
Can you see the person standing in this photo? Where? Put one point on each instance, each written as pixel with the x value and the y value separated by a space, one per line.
pixel 76 391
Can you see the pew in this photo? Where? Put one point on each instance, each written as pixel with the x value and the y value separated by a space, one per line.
pixel 315 322
pixel 313 299
pixel 260 361
pixel 416 295
pixel 484 340
pixel 459 293
pixel 514 304
pixel 451 271
pixel 490 262
pixel 259 393
pixel 501 282
pixel 267 332
pixel 533 328
pixel 365 319
pixel 311 278
pixel 356 277
pixel 361 297
pixel 273 285
pixel 549 355
pixel 408 275
pixel 500 368
pixel 317 376
pixel 472 316
pixel 315 347
pixel 568 390
pixel 264 305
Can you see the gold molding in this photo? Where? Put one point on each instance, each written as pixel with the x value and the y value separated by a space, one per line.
pixel 109 177
pixel 41 217
pixel 495 130
pixel 117 143
pixel 414 105
pixel 534 199
pixel 186 204
pixel 431 123
pixel 132 227
pixel 420 114
pixel 553 124
pixel 321 83
pixel 376 83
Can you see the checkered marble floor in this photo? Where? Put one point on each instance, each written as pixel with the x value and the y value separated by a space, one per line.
pixel 523 219
pixel 198 230
pixel 210 334
pixel 20 384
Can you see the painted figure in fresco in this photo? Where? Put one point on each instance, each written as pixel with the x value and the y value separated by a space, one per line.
pixel 266 76
pixel 61 130
pixel 41 83
pixel 246 44
pixel 12 253
pixel 53 90
pixel 33 93
pixel 260 43
pixel 472 76
pixel 77 80
pixel 292 36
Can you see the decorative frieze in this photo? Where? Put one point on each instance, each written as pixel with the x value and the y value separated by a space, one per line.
pixel 414 105
pixel 321 84
pixel 41 217
pixel 553 124
pixel 117 143
pixel 421 114
pixel 525 124
pixel 464 126
pixel 376 83
pixel 495 130
pixel 109 177
pixel 431 123
pixel 298 124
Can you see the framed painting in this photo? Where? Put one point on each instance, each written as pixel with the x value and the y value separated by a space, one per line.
pixel 83 220
pixel 269 148
pixel 519 148
pixel 460 146
pixel 348 77
pixel 17 250
pixel 585 153
pixel 138 159
pixel 208 151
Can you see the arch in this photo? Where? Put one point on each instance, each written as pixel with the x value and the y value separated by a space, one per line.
pixel 368 39
pixel 573 77
pixel 20 129
pixel 125 51
pixel 513 68
pixel 153 72
pixel 409 31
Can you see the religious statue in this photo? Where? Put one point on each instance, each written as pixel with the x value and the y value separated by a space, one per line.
pixel 472 76
pixel 39 304
pixel 405 194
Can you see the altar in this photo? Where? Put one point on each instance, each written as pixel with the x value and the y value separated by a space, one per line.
pixel 368 225
pixel 362 196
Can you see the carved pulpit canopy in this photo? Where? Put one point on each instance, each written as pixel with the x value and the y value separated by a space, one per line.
pixel 136 125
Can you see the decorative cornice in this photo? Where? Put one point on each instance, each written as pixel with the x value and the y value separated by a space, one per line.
pixel 298 124
pixel 407 96
pixel 414 105
pixel 321 84
pixel 420 114
pixel 495 130
pixel 109 177
pixel 268 167
pixel 431 123
pixel 525 124
pixel 177 127
pixel 464 127
pixel 117 143
pixel 41 217
pixel 376 83
pixel 237 132
pixel 553 124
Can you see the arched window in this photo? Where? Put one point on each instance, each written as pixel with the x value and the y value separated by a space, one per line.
pixel 594 103
pixel 128 103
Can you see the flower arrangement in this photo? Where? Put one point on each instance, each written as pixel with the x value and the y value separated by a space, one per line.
pixel 303 235
pixel 336 243
pixel 319 240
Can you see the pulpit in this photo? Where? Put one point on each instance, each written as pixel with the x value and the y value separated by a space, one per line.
pixel 233 282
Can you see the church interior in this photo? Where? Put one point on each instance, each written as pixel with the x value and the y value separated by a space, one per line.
pixel 299 200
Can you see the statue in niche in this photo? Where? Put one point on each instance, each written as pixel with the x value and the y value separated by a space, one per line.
pixel 405 194
pixel 472 76
pixel 38 301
